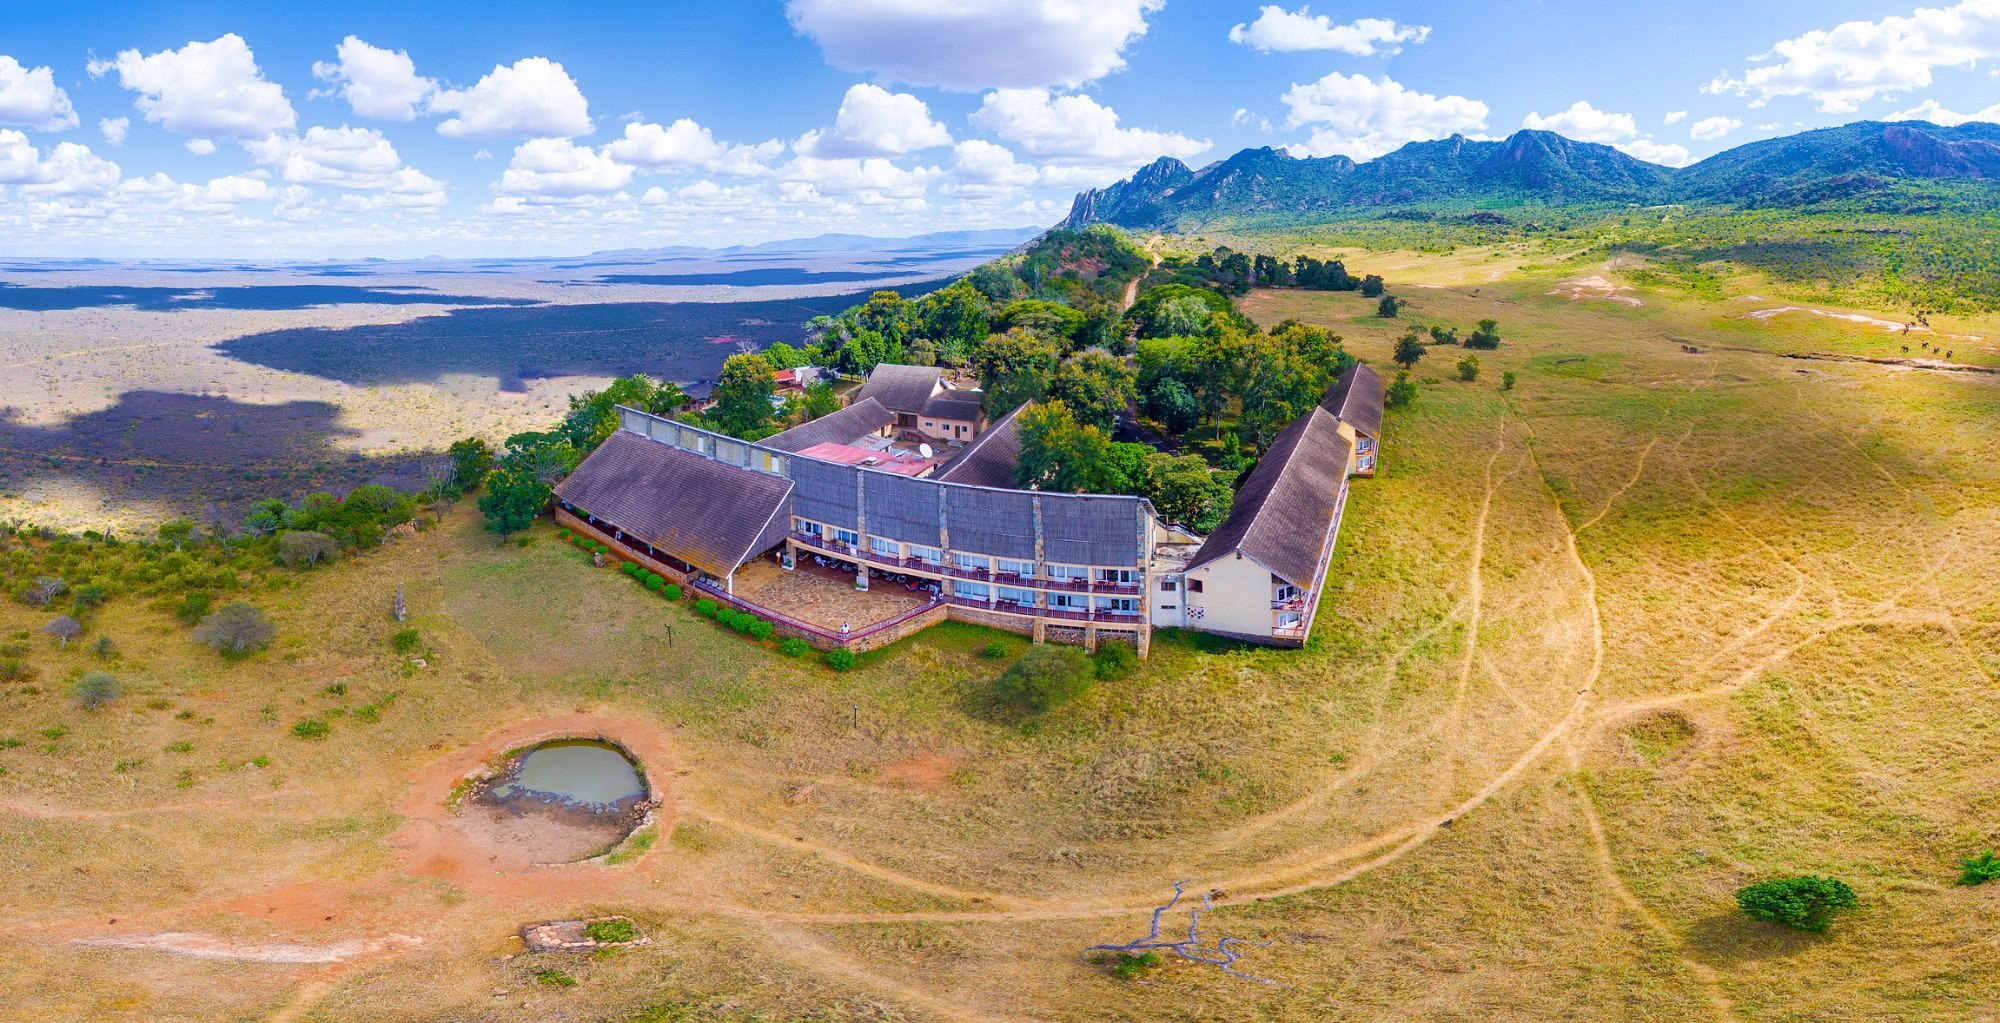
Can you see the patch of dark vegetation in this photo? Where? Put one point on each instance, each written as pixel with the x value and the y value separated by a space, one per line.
pixel 768 275
pixel 668 340
pixel 267 298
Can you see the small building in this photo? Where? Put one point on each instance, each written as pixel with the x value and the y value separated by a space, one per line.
pixel 795 381
pixel 903 390
pixel 1356 400
pixel 954 417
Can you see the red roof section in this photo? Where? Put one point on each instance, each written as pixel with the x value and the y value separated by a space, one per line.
pixel 882 461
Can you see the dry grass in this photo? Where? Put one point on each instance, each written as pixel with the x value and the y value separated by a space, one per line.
pixel 1793 569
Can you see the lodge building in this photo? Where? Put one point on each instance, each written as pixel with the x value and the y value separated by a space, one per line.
pixel 698 506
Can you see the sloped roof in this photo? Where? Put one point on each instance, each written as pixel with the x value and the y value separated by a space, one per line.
pixel 990 459
pixel 959 405
pixel 1284 511
pixel 1356 399
pixel 844 426
pixel 901 388
pixel 709 514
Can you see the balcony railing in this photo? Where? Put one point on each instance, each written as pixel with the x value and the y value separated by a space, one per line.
pixel 952 571
pixel 1060 613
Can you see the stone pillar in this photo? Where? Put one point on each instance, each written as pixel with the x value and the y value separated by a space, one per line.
pixel 1090 638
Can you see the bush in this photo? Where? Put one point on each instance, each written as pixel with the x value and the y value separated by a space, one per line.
pixel 237 630
pixel 654 582
pixel 1046 677
pixel 94 690
pixel 671 592
pixel 1805 903
pixel 1402 392
pixel 63 629
pixel 760 629
pixel 13 669
pixel 104 648
pixel 1979 869
pixel 706 608
pixel 839 660
pixel 406 641
pixel 89 595
pixel 564 535
pixel 311 728
pixel 193 607
pixel 795 647
pixel 1468 368
pixel 1114 661
pixel 610 932
pixel 1507 380
pixel 1131 966
pixel 993 651
pixel 306 547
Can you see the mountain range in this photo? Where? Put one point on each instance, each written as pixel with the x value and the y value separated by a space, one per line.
pixel 1544 167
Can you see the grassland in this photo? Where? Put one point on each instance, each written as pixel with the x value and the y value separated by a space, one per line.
pixel 1594 652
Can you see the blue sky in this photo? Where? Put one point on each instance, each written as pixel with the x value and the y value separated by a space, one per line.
pixel 405 129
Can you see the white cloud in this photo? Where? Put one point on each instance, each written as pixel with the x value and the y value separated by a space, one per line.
pixel 1584 123
pixel 1842 67
pixel 556 168
pixel 1362 118
pixel 1244 115
pixel 69 169
pixel 221 195
pixel 970 45
pixel 1076 130
pixel 360 159
pixel 200 147
pixel 534 97
pixel 203 89
pixel 296 204
pixel 1708 129
pixel 1676 116
pixel 875 122
pixel 983 171
pixel 114 129
pixel 1934 112
pixel 375 82
pixel 1277 30
pixel 1667 154
pixel 29 98
pixel 686 145
pixel 870 182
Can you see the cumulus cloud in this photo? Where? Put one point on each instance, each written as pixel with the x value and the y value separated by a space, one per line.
pixel 211 89
pixel 983 171
pixel 1667 154
pixel 29 98
pixel 1936 113
pixel 870 181
pixel 1842 67
pixel 200 147
pixel 1708 129
pixel 1277 30
pixel 971 45
pixel 556 168
pixel 533 97
pixel 359 159
pixel 1584 123
pixel 68 169
pixel 1363 118
pixel 375 82
pixel 221 195
pixel 1676 116
pixel 114 129
pixel 1076 130
pixel 686 145
pixel 875 122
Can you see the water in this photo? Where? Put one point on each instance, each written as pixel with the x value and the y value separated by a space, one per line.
pixel 575 771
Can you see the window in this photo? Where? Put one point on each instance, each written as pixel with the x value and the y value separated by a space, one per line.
pixel 808 528
pixel 1194 585
pixel 927 555
pixel 846 536
pixel 1068 572
pixel 1122 576
pixel 1068 601
pixel 886 548
pixel 1023 569
pixel 971 562
pixel 1288 592
pixel 970 591
pixel 1025 598
pixel 1122 605
pixel 1166 586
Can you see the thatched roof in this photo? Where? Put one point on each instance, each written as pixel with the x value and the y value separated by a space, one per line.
pixel 1356 399
pixel 845 426
pixel 709 514
pixel 901 388
pixel 1284 512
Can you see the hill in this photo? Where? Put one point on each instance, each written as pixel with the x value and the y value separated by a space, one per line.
pixel 1543 168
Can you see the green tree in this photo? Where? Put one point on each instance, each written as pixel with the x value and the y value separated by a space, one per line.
pixel 1046 677
pixel 819 400
pixel 1057 452
pixel 522 480
pixel 955 318
pixel 1402 391
pixel 1389 307
pixel 1014 368
pixel 176 532
pixel 1174 406
pixel 236 630
pixel 1486 336
pixel 743 393
pixel 306 547
pixel 593 415
pixel 1805 903
pixel 1468 368
pixel 1507 380
pixel 1048 318
pixel 1097 387
pixel 1372 286
pixel 94 690
pixel 1410 350
pixel 473 460
pixel 1184 490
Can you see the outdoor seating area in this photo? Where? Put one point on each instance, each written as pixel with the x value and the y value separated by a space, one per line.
pixel 824 596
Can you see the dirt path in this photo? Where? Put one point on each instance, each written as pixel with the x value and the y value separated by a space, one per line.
pixel 1637 471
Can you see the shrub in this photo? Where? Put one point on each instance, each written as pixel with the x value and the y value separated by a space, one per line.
pixel 795 647
pixel 311 728
pixel 13 669
pixel 94 690
pixel 237 630
pixel 706 608
pixel 1046 677
pixel 671 592
pixel 89 595
pixel 993 651
pixel 839 660
pixel 742 623
pixel 1402 392
pixel 1805 903
pixel 1114 661
pixel 406 641
pixel 1507 380
pixel 1468 368
pixel 1131 966
pixel 554 977
pixel 63 629
pixel 610 932
pixel 42 591
pixel 1979 869
pixel 104 648
pixel 564 535
pixel 654 582
pixel 194 607
pixel 760 629
pixel 305 547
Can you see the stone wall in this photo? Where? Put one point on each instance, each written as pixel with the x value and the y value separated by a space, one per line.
pixel 620 551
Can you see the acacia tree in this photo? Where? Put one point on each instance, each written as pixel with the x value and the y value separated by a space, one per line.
pixel 63 629
pixel 306 547
pixel 1409 351
pixel 236 630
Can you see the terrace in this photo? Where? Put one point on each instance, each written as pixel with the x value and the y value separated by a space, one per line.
pixel 932 569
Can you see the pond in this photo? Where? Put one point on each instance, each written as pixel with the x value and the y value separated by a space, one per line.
pixel 581 773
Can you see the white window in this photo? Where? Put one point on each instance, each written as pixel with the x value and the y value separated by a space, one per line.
pixel 927 555
pixel 886 548
pixel 1068 572
pixel 1025 598
pixel 808 528
pixel 1125 576
pixel 1288 592
pixel 1122 605
pixel 1069 601
pixel 1024 569
pixel 970 591
pixel 846 536
pixel 971 562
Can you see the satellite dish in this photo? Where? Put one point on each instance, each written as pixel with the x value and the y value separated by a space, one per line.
pixel 924 450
